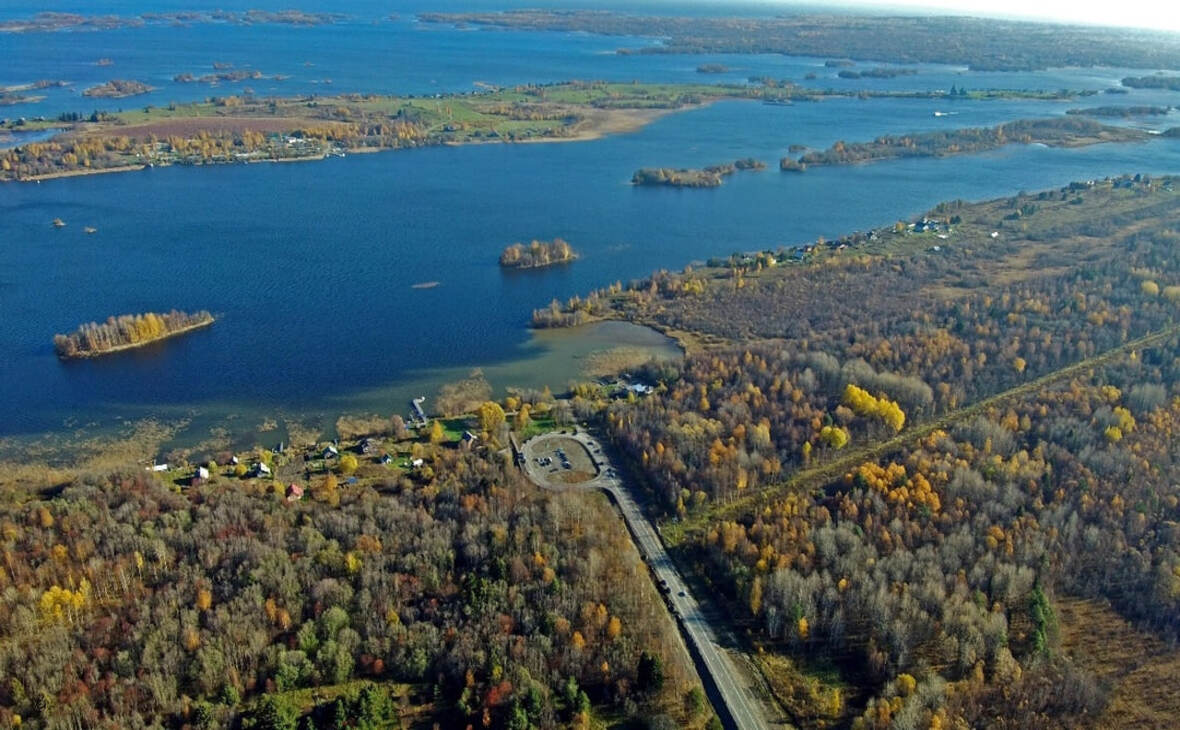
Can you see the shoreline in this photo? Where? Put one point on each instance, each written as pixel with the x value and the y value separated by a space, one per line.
pixel 137 345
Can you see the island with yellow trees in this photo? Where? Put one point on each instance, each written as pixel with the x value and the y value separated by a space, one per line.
pixel 537 254
pixel 126 332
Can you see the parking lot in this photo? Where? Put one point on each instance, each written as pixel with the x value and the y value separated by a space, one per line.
pixel 559 460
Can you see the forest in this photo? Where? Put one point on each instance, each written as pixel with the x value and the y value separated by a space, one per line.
pixel 457 594
pixel 894 491
pixel 981 44
pixel 126 331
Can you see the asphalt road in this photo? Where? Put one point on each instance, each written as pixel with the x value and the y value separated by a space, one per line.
pixel 740 708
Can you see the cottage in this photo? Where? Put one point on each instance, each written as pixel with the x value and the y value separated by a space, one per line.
pixel 417 463
pixel 640 389
pixel 261 470
pixel 294 493
pixel 369 446
pixel 330 452
pixel 202 473
pixel 159 467
pixel 385 459
pixel 469 439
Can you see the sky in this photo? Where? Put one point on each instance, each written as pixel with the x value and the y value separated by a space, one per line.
pixel 1153 14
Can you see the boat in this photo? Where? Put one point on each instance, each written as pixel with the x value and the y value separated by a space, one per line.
pixel 90 229
pixel 59 223
pixel 777 102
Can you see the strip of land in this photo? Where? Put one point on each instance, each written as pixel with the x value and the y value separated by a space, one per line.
pixel 982 44
pixel 1056 132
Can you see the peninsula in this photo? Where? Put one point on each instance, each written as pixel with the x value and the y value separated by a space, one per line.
pixel 126 332
pixel 1057 132
pixel 537 254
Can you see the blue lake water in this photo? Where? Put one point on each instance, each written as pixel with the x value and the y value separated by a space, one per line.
pixel 310 267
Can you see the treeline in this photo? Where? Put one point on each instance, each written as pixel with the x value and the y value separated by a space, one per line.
pixel 128 604
pixel 537 254
pixel 1059 132
pixel 126 331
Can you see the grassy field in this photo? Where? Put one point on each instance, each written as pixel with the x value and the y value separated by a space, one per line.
pixel 1140 669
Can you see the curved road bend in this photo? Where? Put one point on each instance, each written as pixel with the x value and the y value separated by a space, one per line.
pixel 739 707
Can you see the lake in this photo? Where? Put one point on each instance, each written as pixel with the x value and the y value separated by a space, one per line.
pixel 310 267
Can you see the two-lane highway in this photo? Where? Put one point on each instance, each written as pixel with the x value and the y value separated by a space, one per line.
pixel 740 708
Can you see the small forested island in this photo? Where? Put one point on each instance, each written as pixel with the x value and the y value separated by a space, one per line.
pixel 241 74
pixel 790 164
pixel 877 73
pixel 537 254
pixel 118 89
pixel 1159 81
pixel 1121 111
pixel 708 177
pixel 127 331
pixel 1057 132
